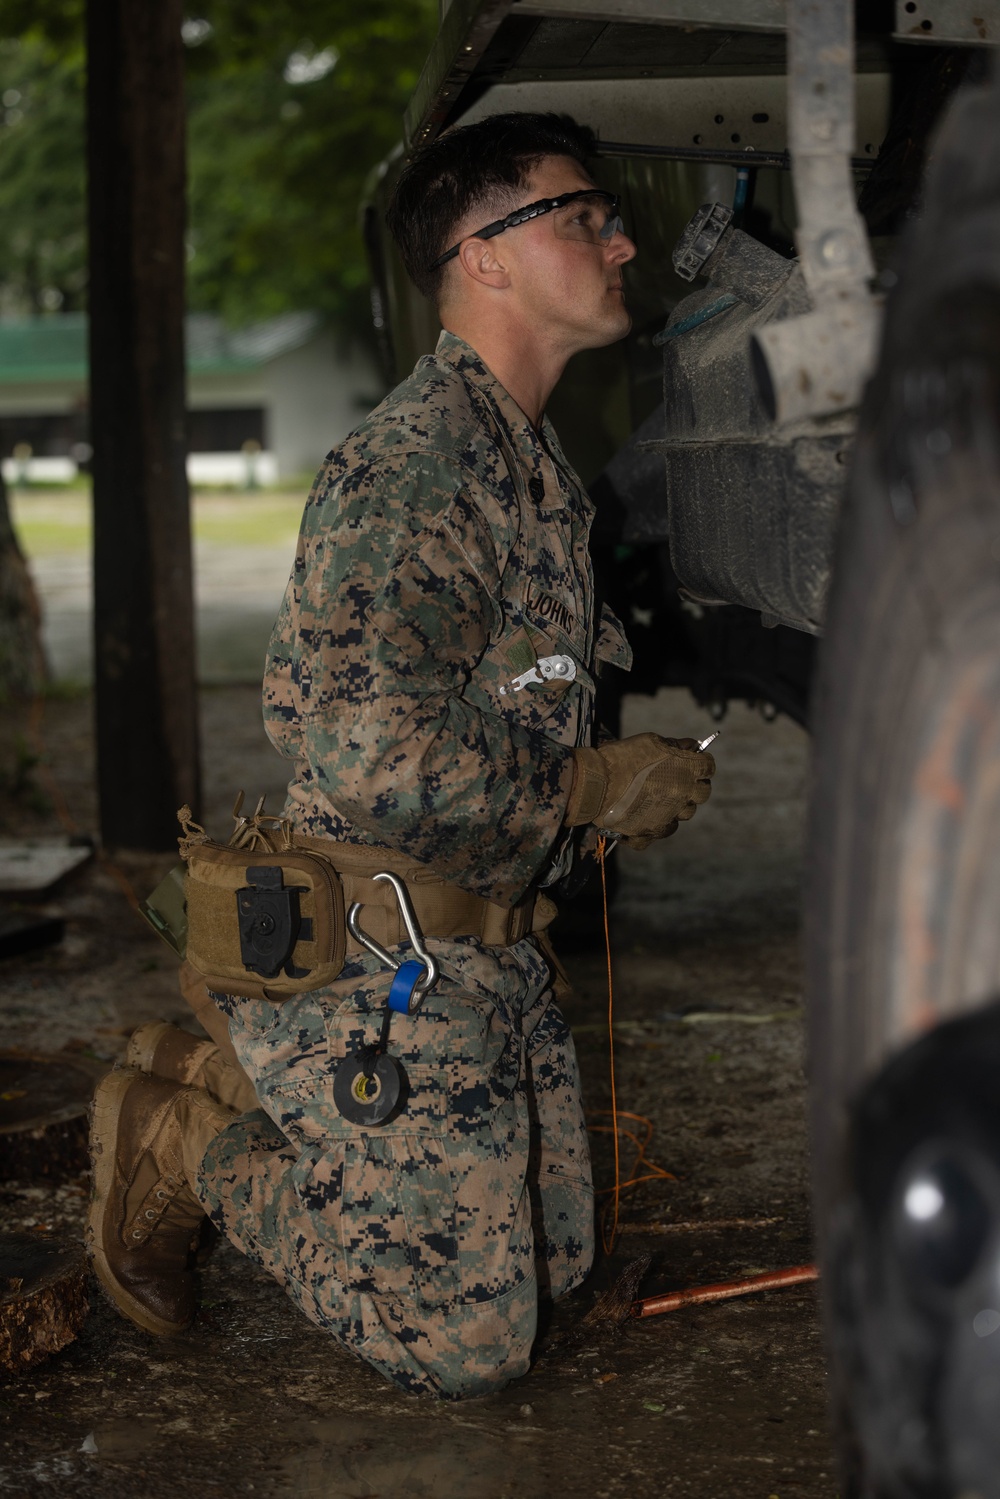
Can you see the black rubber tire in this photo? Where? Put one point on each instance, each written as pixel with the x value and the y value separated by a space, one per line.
pixel 903 890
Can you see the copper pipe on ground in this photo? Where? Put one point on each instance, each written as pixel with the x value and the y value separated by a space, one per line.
pixel 771 1280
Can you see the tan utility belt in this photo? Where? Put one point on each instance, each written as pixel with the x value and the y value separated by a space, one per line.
pixel 266 912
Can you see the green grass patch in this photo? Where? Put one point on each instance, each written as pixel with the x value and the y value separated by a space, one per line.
pixel 51 521
pixel 48 521
pixel 263 519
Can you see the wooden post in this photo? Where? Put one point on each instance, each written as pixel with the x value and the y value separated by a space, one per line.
pixel 147 732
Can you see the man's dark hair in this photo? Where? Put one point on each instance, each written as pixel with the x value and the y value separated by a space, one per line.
pixel 485 166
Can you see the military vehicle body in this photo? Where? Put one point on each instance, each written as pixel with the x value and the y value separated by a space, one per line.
pixel 801 452
pixel 680 110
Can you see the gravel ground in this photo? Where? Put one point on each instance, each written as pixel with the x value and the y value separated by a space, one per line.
pixel 705 1403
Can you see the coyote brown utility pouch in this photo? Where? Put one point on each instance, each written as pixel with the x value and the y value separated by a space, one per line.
pixel 265 919
pixel 266 912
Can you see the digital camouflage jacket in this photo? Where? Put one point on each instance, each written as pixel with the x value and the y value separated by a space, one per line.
pixel 443 549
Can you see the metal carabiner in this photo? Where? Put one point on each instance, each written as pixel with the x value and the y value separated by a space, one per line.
pixel 416 936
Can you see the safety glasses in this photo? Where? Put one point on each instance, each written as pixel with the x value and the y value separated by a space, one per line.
pixel 590 215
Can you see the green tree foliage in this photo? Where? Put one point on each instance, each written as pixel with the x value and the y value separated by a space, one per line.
pixel 43 266
pixel 308 98
pixel 289 108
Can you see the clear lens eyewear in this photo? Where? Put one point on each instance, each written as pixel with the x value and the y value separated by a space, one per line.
pixel 590 215
pixel 593 218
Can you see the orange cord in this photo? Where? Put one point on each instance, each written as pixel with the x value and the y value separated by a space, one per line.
pixel 653 1172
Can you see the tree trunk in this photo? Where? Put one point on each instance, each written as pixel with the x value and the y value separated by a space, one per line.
pixel 43 1297
pixel 43 1115
pixel 22 659
pixel 147 735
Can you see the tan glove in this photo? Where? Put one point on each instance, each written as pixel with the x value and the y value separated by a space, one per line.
pixel 639 788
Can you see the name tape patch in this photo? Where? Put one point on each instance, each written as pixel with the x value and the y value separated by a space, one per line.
pixel 547 606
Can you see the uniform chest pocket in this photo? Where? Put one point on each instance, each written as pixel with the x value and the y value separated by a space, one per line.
pixel 555 624
pixel 529 694
pixel 556 620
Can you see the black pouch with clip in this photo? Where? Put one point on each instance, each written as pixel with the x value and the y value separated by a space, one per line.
pixel 265 919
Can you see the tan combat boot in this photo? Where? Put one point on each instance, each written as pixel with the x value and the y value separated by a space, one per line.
pixel 167 1051
pixel 147 1140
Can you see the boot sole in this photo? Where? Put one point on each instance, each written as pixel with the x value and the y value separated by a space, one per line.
pixel 104 1114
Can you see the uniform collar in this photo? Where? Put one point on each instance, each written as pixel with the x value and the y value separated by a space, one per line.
pixel 552 483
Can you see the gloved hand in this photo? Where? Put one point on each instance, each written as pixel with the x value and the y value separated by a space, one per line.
pixel 639 788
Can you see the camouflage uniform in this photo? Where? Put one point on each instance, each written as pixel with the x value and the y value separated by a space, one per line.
pixel 444 548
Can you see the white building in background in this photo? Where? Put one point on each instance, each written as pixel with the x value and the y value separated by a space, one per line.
pixel 276 396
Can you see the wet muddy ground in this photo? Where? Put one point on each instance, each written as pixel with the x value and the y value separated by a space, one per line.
pixel 704 1403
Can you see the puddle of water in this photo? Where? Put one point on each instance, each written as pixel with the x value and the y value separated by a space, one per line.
pixel 121 1440
pixel 347 1460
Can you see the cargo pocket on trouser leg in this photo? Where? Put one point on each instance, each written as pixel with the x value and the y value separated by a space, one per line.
pixel 402 1251
pixel 397 1219
pixel 436 1235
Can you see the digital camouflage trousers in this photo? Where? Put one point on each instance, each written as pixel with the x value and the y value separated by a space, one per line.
pixel 424 1244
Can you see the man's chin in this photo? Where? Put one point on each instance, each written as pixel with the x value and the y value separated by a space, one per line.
pixel 608 329
pixel 613 328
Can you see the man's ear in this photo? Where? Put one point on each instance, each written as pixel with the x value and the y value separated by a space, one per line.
pixel 483 261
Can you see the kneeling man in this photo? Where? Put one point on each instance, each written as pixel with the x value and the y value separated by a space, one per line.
pixel 430 679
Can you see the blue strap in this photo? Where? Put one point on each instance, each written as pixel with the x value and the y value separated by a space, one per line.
pixel 695 320
pixel 404 982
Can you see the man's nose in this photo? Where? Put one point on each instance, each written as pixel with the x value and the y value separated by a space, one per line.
pixel 620 248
